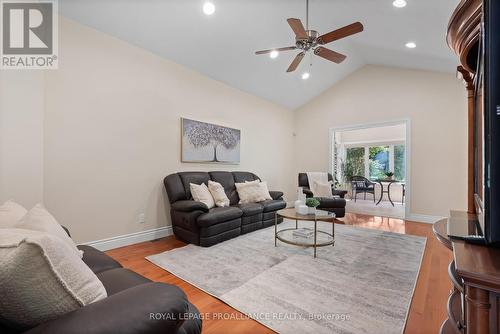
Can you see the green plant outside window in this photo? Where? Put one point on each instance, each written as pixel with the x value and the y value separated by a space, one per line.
pixel 354 163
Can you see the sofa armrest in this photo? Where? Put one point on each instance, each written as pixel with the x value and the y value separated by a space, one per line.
pixel 340 193
pixel 276 194
pixel 308 192
pixel 147 309
pixel 189 206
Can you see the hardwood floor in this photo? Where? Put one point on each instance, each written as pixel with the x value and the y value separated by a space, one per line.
pixel 428 307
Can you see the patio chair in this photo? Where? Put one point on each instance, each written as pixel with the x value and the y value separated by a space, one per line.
pixel 361 184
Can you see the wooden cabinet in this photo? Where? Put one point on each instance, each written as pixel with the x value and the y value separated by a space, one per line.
pixel 473 305
pixel 463 32
pixel 463 39
pixel 474 302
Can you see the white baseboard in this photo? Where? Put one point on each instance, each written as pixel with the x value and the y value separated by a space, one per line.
pixel 415 217
pixel 130 239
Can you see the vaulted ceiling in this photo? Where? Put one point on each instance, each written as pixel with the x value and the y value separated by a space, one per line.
pixel 222 45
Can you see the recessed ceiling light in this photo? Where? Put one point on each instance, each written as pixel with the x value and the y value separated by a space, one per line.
pixel 274 54
pixel 305 76
pixel 411 45
pixel 208 8
pixel 399 3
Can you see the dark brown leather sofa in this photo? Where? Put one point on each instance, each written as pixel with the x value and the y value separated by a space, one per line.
pixel 336 204
pixel 194 223
pixel 135 305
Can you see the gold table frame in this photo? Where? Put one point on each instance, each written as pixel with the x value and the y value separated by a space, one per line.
pixel 324 216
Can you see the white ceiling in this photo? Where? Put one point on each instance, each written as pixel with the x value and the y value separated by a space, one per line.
pixel 222 46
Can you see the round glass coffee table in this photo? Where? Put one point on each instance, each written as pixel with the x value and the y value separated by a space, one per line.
pixel 305 237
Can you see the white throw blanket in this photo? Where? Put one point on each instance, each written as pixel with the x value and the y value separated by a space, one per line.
pixel 314 178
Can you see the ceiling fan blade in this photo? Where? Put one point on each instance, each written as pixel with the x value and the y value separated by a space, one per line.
pixel 296 61
pixel 349 30
pixel 329 54
pixel 262 52
pixel 298 28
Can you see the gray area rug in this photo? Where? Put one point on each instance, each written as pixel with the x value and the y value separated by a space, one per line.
pixel 364 284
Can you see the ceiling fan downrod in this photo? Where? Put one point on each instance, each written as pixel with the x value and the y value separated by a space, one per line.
pixel 307 14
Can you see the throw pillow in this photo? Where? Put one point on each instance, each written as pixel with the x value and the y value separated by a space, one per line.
pixel 39 219
pixel 323 189
pixel 11 213
pixel 264 191
pixel 252 192
pixel 201 194
pixel 42 279
pixel 218 193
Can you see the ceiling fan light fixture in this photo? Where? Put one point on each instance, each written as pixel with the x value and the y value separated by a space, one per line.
pixel 309 41
pixel 208 8
pixel 411 45
pixel 399 3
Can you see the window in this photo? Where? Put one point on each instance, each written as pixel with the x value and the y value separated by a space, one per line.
pixel 379 161
pixel 399 162
pixel 372 161
pixel 354 162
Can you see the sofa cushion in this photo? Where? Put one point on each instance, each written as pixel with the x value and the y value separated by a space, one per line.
pixel 96 260
pixel 175 188
pixel 42 279
pixel 192 177
pixel 251 209
pixel 219 215
pixel 240 177
pixel 119 279
pixel 273 205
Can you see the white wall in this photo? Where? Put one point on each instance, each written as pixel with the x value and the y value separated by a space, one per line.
pixel 21 136
pixel 434 102
pixel 112 133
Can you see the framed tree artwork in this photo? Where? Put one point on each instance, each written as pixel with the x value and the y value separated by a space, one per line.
pixel 209 143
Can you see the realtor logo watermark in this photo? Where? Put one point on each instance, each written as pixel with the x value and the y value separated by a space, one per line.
pixel 29 34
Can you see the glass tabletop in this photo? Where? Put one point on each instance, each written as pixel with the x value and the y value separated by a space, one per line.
pixel 319 215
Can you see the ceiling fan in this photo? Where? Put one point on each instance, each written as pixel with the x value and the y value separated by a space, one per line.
pixel 307 40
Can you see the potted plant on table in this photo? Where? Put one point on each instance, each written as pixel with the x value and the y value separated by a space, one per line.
pixel 312 204
pixel 389 175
